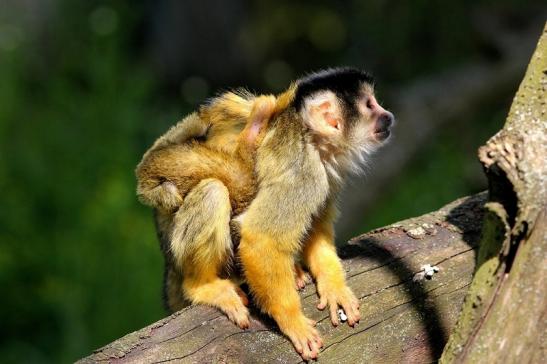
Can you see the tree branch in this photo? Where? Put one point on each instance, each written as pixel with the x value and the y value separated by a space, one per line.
pixel 404 320
pixel 509 286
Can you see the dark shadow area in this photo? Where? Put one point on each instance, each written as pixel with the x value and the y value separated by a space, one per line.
pixel 469 217
pixel 372 248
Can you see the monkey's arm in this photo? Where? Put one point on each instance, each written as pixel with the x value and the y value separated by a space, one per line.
pixel 268 265
pixel 271 232
pixel 191 127
pixel 320 256
pixel 165 195
pixel 155 188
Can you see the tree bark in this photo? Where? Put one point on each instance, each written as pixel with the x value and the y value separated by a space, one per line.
pixel 504 318
pixel 404 320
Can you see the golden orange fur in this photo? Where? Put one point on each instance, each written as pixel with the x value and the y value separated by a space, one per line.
pixel 169 171
pixel 197 177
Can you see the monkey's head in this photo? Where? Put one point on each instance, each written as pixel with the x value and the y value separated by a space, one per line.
pixel 339 108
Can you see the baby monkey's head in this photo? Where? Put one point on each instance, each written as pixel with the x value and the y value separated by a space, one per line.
pixel 339 107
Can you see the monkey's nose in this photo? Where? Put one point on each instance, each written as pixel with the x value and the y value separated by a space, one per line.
pixel 384 121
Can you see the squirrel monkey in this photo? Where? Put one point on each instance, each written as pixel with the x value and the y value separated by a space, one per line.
pixel 319 130
pixel 197 176
pixel 179 160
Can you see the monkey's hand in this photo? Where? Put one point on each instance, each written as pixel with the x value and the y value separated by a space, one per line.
pixel 335 295
pixel 164 196
pixel 170 196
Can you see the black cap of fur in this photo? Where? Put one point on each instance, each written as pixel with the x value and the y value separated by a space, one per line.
pixel 345 82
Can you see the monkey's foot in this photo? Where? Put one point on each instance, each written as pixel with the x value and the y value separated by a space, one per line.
pixel 239 315
pixel 301 277
pixel 233 303
pixel 224 295
pixel 338 296
pixel 304 336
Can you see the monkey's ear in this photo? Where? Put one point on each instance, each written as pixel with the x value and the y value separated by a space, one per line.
pixel 322 113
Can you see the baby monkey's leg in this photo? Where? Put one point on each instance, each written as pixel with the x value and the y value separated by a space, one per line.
pixel 202 246
pixel 325 266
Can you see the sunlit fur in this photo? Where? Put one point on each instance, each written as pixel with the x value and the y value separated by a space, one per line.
pixel 284 205
pixel 180 160
pixel 197 176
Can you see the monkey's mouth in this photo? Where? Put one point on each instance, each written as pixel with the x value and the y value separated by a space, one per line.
pixel 381 135
pixel 382 126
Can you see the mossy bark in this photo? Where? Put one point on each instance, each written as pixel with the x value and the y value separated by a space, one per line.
pixel 504 317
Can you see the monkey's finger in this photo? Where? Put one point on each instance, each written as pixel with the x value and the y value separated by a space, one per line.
pixel 306 352
pixel 302 347
pixel 357 312
pixel 298 346
pixel 322 302
pixel 244 324
pixel 333 307
pixel 312 322
pixel 351 313
pixel 314 348
pixel 318 340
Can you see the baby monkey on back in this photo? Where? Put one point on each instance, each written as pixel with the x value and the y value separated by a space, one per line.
pixel 275 166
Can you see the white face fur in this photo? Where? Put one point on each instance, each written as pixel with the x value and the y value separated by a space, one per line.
pixel 344 145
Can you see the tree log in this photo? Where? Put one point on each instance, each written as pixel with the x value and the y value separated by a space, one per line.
pixel 403 320
pixel 504 318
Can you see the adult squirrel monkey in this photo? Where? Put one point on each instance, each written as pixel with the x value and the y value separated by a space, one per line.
pixel 299 147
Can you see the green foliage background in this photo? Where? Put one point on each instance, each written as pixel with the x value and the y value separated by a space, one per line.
pixel 79 260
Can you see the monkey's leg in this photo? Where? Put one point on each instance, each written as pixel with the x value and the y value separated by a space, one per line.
pixel 325 266
pixel 201 245
pixel 269 271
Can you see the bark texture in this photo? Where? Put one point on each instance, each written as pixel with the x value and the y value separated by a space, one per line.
pixel 404 320
pixel 504 318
